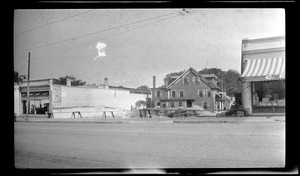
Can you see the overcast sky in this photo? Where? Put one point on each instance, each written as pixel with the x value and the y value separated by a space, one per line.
pixel 63 42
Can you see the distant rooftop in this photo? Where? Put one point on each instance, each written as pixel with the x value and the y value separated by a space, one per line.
pixel 208 75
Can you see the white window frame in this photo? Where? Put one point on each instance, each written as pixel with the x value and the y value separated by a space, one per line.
pixel 194 80
pixel 188 81
pixel 204 93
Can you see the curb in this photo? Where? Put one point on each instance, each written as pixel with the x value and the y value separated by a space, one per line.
pixel 67 121
pixel 205 121
pixel 135 121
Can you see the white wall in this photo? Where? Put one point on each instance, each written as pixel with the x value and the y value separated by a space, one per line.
pixel 246 97
pixel 91 100
pixel 17 100
pixel 263 43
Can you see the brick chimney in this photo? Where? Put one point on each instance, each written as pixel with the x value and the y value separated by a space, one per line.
pixel 106 83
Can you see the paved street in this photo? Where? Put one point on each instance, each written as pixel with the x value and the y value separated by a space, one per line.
pixel 149 145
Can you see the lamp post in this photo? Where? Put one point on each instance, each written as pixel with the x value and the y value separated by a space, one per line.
pixel 28 104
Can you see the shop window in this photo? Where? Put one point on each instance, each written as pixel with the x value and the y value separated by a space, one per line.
pixel 164 105
pixel 172 104
pixel 268 93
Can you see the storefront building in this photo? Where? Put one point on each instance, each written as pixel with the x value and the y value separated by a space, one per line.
pixel 39 97
pixel 61 101
pixel 263 76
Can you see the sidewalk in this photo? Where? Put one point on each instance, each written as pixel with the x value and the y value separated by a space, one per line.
pixel 157 120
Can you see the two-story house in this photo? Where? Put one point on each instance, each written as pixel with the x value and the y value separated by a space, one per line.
pixel 188 89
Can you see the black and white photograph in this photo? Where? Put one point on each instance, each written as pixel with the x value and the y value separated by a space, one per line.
pixel 149 89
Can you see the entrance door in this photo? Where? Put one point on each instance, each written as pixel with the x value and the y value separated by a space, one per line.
pixel 24 106
pixel 189 103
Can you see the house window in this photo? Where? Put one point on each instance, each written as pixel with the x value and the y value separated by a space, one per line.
pixel 208 93
pixel 180 103
pixel 158 103
pixel 172 104
pixel 158 93
pixel 173 93
pixel 181 93
pixel 204 93
pixel 164 105
pixel 196 80
pixel 199 93
pixel 205 105
pixel 186 81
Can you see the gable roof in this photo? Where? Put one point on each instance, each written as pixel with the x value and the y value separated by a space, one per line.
pixel 197 74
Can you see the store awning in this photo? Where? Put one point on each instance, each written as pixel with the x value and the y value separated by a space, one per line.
pixel 264 69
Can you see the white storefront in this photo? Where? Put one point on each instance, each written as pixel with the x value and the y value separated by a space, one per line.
pixel 263 75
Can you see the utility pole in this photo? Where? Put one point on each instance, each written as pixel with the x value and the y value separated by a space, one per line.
pixel 28 79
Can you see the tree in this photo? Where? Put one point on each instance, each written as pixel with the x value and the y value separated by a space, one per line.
pixel 74 81
pixel 17 77
pixel 143 87
pixel 218 72
pixel 168 78
pixel 228 78
pixel 233 86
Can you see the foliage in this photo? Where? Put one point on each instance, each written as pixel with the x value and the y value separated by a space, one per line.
pixel 227 79
pixel 17 78
pixel 74 81
pixel 168 78
pixel 233 86
pixel 143 87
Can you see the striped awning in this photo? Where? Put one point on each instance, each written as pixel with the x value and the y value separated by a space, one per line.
pixel 264 69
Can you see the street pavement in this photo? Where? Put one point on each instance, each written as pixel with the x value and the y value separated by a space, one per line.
pixel 156 119
pixel 150 143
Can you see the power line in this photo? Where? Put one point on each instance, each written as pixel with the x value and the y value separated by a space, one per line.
pixel 105 37
pixel 53 22
pixel 73 38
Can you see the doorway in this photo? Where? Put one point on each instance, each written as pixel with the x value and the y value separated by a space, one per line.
pixel 189 103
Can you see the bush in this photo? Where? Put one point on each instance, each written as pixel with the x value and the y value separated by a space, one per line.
pixel 234 112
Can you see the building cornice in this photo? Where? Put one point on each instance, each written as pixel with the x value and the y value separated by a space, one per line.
pixel 264 50
pixel 258 40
